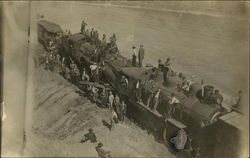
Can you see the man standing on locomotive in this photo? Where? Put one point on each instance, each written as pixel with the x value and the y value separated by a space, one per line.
pixel 83 26
pixel 133 56
pixel 166 69
pixel 141 54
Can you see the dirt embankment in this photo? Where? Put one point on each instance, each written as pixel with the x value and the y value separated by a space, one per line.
pixel 61 116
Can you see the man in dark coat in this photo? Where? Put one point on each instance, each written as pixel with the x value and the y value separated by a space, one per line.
pixel 166 69
pixel 89 136
pixel 141 54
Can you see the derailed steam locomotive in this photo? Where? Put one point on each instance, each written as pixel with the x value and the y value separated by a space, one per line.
pixel 206 124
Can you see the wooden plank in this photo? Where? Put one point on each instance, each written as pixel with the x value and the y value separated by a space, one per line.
pixel 176 123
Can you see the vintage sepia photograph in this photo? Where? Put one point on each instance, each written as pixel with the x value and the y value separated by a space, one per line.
pixel 125 79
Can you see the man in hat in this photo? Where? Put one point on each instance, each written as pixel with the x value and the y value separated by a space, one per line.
pixel 238 99
pixel 134 56
pixel 84 24
pixel 141 54
pixel 138 91
pixel 112 40
pixel 117 103
pixel 47 63
pixel 94 69
pixel 85 76
pixel 87 33
pixel 104 40
pixel 95 94
pixel 216 98
pixel 101 152
pixel 123 110
pixel 166 69
pixel 92 33
pixel 90 136
pixel 124 81
pixel 172 101
pixel 113 119
pixel 104 97
pixel 160 65
pixel 157 99
pixel 110 100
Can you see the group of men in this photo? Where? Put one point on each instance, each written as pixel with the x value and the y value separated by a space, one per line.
pixel 139 55
pixel 103 43
pixel 117 105
pixel 52 56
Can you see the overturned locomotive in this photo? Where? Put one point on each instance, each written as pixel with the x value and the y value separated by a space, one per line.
pixel 194 113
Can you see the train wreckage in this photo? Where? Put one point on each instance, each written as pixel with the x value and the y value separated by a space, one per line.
pixel 204 124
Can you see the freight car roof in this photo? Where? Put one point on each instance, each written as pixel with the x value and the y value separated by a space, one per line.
pixel 49 26
pixel 234 119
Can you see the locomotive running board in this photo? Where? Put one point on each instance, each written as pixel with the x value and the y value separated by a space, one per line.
pixel 148 109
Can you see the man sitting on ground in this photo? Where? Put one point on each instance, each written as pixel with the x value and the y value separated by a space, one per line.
pixel 90 136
